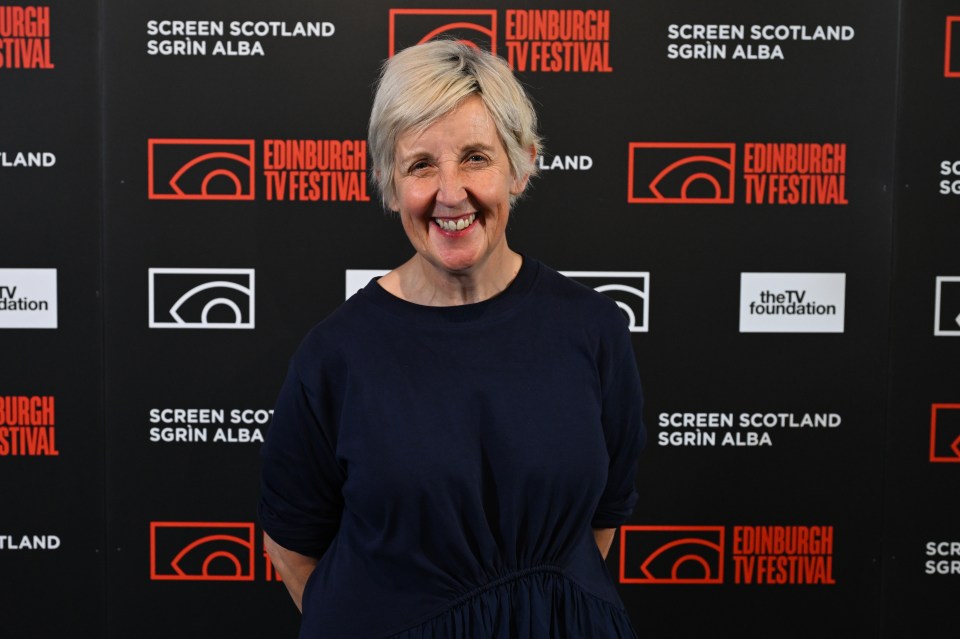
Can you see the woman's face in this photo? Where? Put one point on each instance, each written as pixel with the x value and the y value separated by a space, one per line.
pixel 453 185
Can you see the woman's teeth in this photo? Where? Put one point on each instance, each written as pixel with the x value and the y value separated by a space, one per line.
pixel 455 225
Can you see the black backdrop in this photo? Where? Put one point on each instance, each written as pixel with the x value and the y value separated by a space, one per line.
pixel 129 507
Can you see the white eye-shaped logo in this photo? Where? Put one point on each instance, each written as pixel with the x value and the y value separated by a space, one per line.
pixel 618 290
pixel 201 298
pixel 947 306
pixel 629 289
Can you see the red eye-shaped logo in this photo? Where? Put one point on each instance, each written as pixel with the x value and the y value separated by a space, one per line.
pixel 945 433
pixel 681 173
pixel 951 63
pixel 475 27
pixel 671 554
pixel 201 551
pixel 191 169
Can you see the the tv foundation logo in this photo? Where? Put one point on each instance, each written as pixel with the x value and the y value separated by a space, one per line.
pixel 946 314
pixel 206 551
pixel 629 289
pixel 293 170
pixel 792 302
pixel 28 426
pixel 951 57
pixel 705 173
pixel 201 298
pixel 25 38
pixel 761 555
pixel 29 542
pixel 540 40
pixel 947 554
pixel 945 433
pixel 28 298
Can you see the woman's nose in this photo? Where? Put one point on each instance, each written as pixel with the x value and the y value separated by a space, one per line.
pixel 452 189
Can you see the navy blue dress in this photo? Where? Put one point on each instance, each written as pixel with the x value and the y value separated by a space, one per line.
pixel 447 464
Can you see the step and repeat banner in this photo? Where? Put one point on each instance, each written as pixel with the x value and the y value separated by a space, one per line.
pixel 770 192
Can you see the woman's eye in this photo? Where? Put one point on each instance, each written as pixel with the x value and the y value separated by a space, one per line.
pixel 418 166
pixel 476 157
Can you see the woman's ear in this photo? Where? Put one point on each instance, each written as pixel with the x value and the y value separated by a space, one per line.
pixel 520 181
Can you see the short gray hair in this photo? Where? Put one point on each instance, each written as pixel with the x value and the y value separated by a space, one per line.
pixel 423 83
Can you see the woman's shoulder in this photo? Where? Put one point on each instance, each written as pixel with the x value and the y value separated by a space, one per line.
pixel 571 296
pixel 348 323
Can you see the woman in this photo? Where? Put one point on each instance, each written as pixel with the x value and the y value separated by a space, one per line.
pixel 454 447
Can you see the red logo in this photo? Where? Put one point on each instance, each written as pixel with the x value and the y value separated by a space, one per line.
pixel 475 27
pixel 671 554
pixel 25 38
pixel 774 173
pixel 200 169
pixel 681 173
pixel 951 62
pixel 201 551
pixel 28 426
pixel 945 433
pixel 761 555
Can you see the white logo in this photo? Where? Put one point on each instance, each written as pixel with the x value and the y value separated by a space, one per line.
pixel 357 278
pixel 201 297
pixel 629 289
pixel 792 302
pixel 947 311
pixel 28 298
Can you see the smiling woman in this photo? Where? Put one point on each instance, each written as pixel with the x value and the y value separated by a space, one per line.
pixel 455 446
pixel 452 187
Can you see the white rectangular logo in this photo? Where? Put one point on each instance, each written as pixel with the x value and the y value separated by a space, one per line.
pixel 201 298
pixel 629 289
pixel 792 302
pixel 947 307
pixel 357 278
pixel 28 298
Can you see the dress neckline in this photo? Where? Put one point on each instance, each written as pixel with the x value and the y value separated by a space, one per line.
pixel 501 304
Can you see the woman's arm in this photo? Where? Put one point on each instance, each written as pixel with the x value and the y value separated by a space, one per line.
pixel 604 538
pixel 294 569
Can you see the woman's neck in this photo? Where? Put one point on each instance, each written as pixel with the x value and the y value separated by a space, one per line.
pixel 420 282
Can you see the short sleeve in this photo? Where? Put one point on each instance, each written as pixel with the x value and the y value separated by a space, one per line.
pixel 623 429
pixel 300 490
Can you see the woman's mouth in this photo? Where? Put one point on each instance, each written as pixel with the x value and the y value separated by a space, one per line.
pixel 455 224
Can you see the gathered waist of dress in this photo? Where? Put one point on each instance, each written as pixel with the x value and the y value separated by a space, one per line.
pixel 513 576
pixel 544 578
